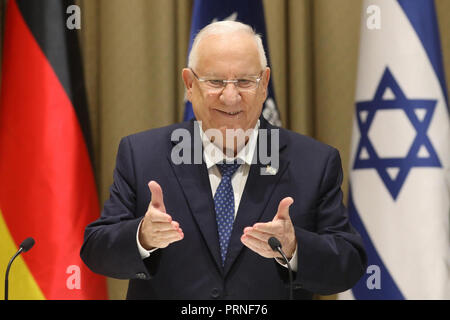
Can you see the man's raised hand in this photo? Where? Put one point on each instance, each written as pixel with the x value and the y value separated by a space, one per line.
pixel 281 227
pixel 158 230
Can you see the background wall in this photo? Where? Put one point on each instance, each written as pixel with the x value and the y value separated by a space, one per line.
pixel 134 51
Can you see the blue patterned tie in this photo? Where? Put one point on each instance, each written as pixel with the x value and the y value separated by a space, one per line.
pixel 224 205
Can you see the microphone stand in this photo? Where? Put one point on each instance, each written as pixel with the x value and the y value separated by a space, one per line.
pixel 7 271
pixel 291 295
pixel 275 245
pixel 26 245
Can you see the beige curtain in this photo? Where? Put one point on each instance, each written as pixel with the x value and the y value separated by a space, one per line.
pixel 134 51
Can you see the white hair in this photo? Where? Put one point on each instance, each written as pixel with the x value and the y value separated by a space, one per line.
pixel 224 27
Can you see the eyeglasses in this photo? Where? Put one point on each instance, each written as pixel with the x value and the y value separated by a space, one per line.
pixel 246 84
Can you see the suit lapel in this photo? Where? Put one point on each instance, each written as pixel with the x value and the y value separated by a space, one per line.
pixel 194 181
pixel 257 193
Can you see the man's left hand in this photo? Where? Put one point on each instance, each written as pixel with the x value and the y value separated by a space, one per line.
pixel 281 227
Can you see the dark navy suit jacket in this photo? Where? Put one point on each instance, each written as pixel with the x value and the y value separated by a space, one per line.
pixel 331 257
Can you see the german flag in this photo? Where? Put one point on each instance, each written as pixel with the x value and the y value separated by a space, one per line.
pixel 47 185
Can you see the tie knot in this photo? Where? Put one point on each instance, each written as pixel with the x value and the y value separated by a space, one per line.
pixel 227 170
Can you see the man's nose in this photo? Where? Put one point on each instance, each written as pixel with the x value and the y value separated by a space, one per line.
pixel 230 95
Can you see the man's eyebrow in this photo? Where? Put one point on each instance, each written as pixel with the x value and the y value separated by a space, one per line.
pixel 238 76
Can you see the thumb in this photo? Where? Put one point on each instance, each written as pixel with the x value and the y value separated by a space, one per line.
pixel 283 209
pixel 157 196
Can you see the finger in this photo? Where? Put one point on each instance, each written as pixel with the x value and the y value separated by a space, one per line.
pixel 256 243
pixel 158 216
pixel 283 209
pixel 257 246
pixel 262 236
pixel 272 227
pixel 169 235
pixel 261 247
pixel 156 196
pixel 175 237
pixel 175 224
pixel 164 241
pixel 164 226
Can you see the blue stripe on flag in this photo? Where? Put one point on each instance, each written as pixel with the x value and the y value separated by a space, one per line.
pixel 422 15
pixel 388 289
pixel 188 111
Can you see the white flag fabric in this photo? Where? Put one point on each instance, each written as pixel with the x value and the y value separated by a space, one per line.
pixel 399 165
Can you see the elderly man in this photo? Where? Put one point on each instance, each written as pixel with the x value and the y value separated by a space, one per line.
pixel 200 230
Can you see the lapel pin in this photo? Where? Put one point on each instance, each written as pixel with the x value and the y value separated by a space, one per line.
pixel 271 170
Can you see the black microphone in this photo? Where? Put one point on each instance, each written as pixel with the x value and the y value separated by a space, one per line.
pixel 275 244
pixel 26 245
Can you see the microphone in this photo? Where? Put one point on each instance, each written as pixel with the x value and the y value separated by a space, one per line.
pixel 275 244
pixel 26 245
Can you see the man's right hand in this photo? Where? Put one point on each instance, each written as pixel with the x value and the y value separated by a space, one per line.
pixel 157 228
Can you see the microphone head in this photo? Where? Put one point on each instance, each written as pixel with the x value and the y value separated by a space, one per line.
pixel 27 244
pixel 274 243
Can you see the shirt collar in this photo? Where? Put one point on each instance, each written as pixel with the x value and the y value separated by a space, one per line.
pixel 213 154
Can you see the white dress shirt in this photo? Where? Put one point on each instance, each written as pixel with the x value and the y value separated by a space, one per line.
pixel 213 155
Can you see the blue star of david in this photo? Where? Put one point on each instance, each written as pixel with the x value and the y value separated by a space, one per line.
pixel 367 157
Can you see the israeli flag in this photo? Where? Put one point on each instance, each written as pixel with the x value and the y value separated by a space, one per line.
pixel 250 12
pixel 399 174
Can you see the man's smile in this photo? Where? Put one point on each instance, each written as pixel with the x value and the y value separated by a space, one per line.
pixel 231 114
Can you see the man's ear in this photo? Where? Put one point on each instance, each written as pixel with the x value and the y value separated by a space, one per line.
pixel 188 80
